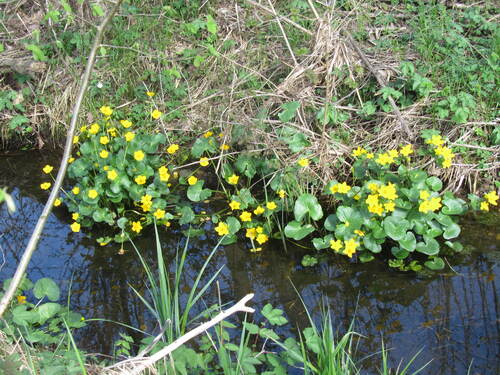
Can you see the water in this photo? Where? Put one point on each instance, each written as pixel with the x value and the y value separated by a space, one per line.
pixel 452 316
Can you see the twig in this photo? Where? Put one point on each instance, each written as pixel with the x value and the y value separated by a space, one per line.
pixel 283 32
pixel 395 108
pixel 150 361
pixel 37 232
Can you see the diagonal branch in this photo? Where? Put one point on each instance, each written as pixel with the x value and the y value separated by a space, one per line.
pixel 37 232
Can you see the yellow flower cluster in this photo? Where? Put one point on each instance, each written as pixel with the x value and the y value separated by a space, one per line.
pixel 106 111
pixel 94 128
pixel 388 191
pixel 47 169
pixel 350 246
pixel 342 188
pixel 489 198
pixel 163 172
pixel 429 204
pixel 126 123
pixel 172 149
pixel 45 186
pixel 146 203
pixel 435 140
pixel 446 154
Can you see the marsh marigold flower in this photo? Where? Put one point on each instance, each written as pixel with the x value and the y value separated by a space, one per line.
pixel 225 147
pixel 71 160
pixel 359 151
pixel 129 136
pixel 350 247
pixel 139 155
pixel 21 299
pixel 75 227
pixel 491 197
pixel 484 206
pixel 336 245
pixel 303 162
pixel 222 229
pixel 435 140
pixel 163 172
pixel 150 93
pixel 271 205
pixel 104 140
pixel 140 180
pixel 156 114
pixel 92 194
pixel 234 205
pixel 112 174
pixel 75 190
pixel 251 233
pixel 104 154
pixel 126 123
pixel 172 149
pixel 388 191
pixel 159 214
pixel 136 226
pixel 106 111
pixel 204 162
pixel 406 150
pixel 47 169
pixel 45 186
pixel 76 139
pixel 208 134
pixel 94 128
pixel 246 216
pixel 192 180
pixel 259 210
pixel 233 180
pixel 262 238
pixel 57 202
pixel 282 193
pixel 75 216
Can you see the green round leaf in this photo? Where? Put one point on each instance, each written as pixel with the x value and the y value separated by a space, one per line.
pixel 46 287
pixel 434 183
pixel 430 247
pixel 451 232
pixel 435 264
pixel 331 222
pixel 296 231
pixel 396 227
pixel 408 242
pixel 47 311
pixel 233 224
pixel 399 253
pixel 307 204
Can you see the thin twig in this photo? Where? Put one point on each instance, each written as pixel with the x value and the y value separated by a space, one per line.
pixel 144 363
pixel 37 232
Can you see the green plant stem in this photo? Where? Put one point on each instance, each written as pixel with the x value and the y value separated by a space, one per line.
pixel 37 232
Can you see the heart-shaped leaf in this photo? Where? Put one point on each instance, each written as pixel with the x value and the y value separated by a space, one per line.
pixel 296 231
pixel 395 227
pixel 451 231
pixel 435 264
pixel 408 242
pixel 307 204
pixel 430 247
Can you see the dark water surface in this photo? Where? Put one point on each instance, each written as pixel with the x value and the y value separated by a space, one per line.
pixel 454 316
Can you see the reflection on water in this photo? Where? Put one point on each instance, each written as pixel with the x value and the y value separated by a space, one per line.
pixel 453 316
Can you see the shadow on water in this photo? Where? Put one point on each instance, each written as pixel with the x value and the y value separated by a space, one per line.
pixel 453 315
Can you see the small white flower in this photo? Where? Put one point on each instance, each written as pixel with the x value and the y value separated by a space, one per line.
pixel 99 85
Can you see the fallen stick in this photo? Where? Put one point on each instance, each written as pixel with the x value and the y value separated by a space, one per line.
pixel 150 361
pixel 37 232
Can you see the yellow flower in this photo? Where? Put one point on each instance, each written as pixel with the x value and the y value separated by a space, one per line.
pixel 168 224
pixel 435 140
pixel 376 209
pixel 336 245
pixel 259 230
pixel 271 205
pixel 233 180
pixel 384 159
pixel 71 160
pixel 357 197
pixel 251 233
pixel 45 186
pixel 204 162
pixel 136 226
pixel 57 202
pixel 359 232
pixel 208 134
pixel 491 197
pixel 140 180
pixel 129 136
pixel 343 188
pixel 47 169
pixel 150 93
pixel 303 162
pixel 389 206
pixel 388 191
pixel 21 299
pixel 234 205
pixel 359 151
pixel 104 154
pixel 259 210
pixel 350 247
pixel 172 149
pixel 446 163
pixel 192 180
pixel 246 216
pixel 372 200
pixel 373 187
pixel 139 155
pixel 262 238
pixel 164 175
pixel 432 204
pixel 282 193
pixel 75 216
pixel 112 132
pixel 222 229
pixel 159 214
pixel 75 227
pixel 76 190
pixel 106 111
pixel 104 140
pixel 156 114
pixel 126 123
pixel 485 206
pixel 445 152
pixel 112 174
pixel 92 194
pixel 83 129
pixel 94 128
pixel 424 194
pixel 146 202
pixel 225 147
pixel 406 150
pixel 370 155
pixel 393 153
pixel 76 139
